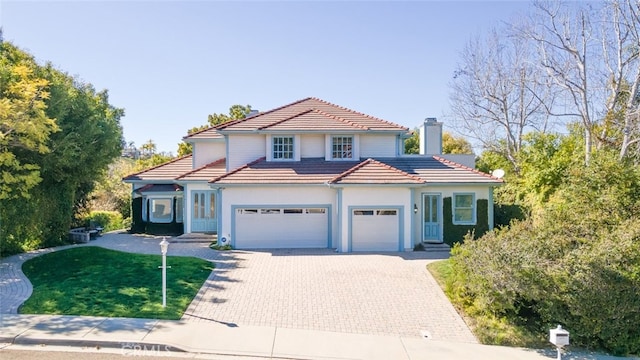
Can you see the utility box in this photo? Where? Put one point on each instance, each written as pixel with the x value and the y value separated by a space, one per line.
pixel 559 336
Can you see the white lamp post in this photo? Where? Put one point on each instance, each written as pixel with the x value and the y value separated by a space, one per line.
pixel 164 246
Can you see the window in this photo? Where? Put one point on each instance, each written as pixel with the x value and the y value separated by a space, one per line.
pixel 464 210
pixel 316 211
pixel 269 211
pixel 292 211
pixel 363 212
pixel 160 210
pixel 283 148
pixel 387 212
pixel 341 147
pixel 179 209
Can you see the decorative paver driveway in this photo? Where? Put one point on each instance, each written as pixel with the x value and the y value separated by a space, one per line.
pixel 384 294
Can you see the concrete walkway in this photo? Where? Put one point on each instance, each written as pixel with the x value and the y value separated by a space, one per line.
pixel 159 338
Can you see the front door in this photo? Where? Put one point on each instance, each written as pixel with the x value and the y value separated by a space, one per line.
pixel 431 217
pixel 203 211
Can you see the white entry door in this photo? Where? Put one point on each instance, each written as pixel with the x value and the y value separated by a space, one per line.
pixel 281 227
pixel 375 230
pixel 203 211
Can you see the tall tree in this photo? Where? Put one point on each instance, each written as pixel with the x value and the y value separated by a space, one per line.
pixel 24 124
pixel 621 49
pixel 498 93
pixel 568 47
pixel 69 153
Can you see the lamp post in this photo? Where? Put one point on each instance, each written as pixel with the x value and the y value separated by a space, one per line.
pixel 164 246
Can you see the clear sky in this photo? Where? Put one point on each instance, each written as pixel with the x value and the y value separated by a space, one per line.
pixel 170 64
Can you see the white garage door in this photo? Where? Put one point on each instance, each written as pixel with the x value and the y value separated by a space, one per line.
pixel 281 227
pixel 375 230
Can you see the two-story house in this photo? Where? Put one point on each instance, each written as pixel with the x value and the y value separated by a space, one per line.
pixel 312 174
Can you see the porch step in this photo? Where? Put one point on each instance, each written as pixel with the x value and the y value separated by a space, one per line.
pixel 436 247
pixel 195 238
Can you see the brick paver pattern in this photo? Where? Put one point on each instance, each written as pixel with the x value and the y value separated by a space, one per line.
pixel 369 293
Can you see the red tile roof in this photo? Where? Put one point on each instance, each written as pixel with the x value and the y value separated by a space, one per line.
pixel 404 170
pixel 206 172
pixel 208 133
pixel 434 169
pixel 372 171
pixel 306 171
pixel 310 114
pixel 167 171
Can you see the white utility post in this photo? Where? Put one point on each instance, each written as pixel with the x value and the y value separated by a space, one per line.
pixel 164 246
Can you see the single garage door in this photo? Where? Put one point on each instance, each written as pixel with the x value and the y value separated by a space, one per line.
pixel 375 230
pixel 281 227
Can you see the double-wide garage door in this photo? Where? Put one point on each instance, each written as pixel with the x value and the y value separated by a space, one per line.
pixel 375 230
pixel 281 227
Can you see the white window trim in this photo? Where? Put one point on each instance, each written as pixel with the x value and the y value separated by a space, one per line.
pixel 354 147
pixel 474 209
pixel 269 147
pixel 293 148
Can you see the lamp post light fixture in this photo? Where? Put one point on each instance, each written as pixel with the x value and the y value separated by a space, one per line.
pixel 164 246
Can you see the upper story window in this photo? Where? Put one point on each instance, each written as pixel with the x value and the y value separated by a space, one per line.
pixel 283 147
pixel 342 147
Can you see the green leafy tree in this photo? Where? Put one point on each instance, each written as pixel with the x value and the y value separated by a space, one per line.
pixel 25 127
pixel 236 112
pixel 82 141
pixel 450 144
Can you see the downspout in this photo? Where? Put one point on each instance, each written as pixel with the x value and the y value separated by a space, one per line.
pixel 413 217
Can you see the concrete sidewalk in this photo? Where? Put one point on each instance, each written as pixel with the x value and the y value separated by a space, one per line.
pixel 140 337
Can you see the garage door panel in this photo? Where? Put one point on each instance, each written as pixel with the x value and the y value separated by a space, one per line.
pixel 375 230
pixel 282 228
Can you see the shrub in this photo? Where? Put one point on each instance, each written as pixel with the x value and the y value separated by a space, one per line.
pixel 109 220
pixel 575 265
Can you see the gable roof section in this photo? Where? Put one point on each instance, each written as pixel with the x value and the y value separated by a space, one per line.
pixel 306 171
pixel 167 171
pixel 372 171
pixel 206 172
pixel 437 170
pixel 312 114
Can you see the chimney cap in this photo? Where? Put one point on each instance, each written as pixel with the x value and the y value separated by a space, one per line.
pixel 431 120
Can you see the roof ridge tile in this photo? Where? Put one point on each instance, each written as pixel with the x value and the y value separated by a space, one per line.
pixel 335 117
pixel 267 112
pixel 237 169
pixel 285 119
pixel 349 171
pixel 202 167
pixel 157 166
pixel 359 113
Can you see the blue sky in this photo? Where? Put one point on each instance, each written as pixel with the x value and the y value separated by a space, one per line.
pixel 170 64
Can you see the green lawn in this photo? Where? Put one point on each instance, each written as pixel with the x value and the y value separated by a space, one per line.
pixel 94 281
